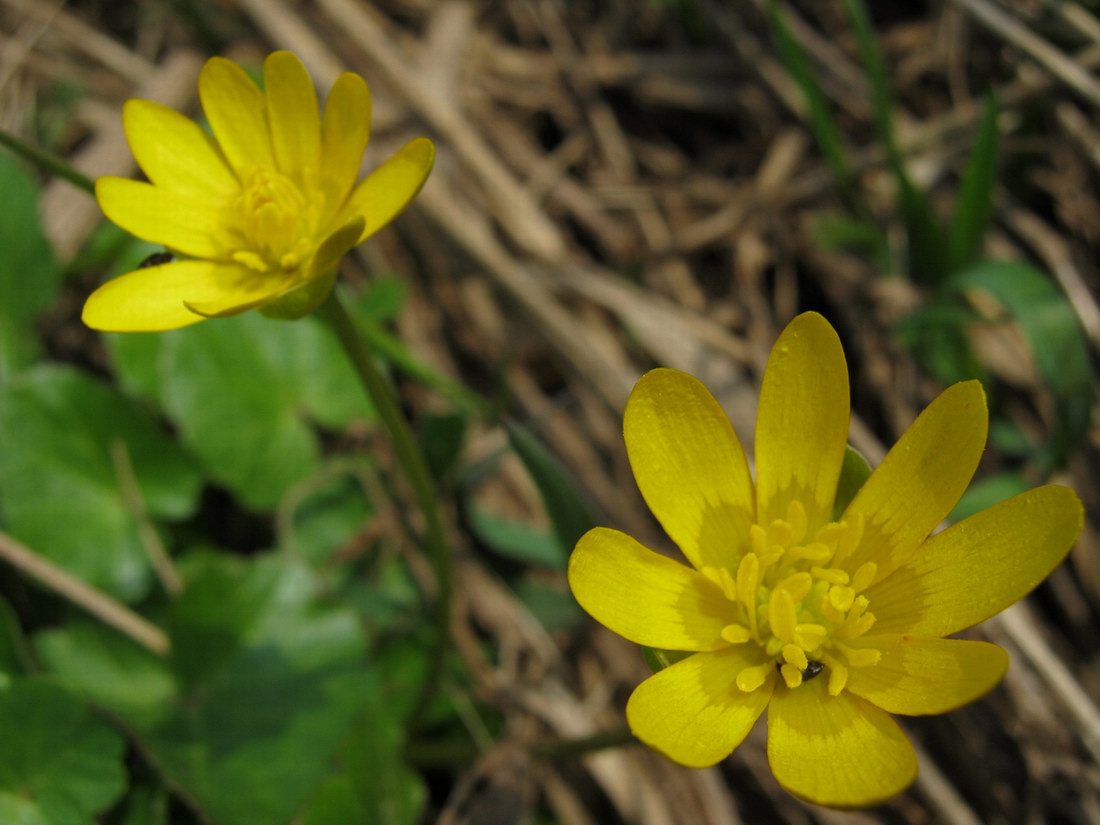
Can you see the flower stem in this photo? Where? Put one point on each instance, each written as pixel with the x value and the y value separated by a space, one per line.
pixel 412 461
pixel 47 162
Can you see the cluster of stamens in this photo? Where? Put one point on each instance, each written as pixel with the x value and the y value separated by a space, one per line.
pixel 274 224
pixel 792 596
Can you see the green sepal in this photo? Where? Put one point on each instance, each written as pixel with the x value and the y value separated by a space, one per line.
pixel 299 302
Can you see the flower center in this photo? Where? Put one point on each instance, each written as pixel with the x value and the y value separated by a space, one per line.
pixel 793 596
pixel 273 224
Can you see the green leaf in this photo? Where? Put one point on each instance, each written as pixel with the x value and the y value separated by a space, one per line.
pixel 59 764
pixel 568 509
pixel 515 540
pixel 376 787
pixel 29 274
pixel 265 682
pixel 59 485
pixel 14 657
pixel 926 242
pixel 550 603
pixel 244 391
pixel 822 126
pixel 328 516
pixel 383 299
pixel 442 438
pixel 936 335
pixel 1057 342
pixel 983 494
pixel 855 235
pixel 975 201
pixel 854 472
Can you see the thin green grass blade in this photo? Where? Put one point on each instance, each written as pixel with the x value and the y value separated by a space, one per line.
pixel 975 202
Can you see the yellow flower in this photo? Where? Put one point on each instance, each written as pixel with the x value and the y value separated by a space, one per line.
pixel 832 625
pixel 262 212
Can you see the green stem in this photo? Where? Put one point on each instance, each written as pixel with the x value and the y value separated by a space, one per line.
pixel 563 750
pixel 47 162
pixel 412 461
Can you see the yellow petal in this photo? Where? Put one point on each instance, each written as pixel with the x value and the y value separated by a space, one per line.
pixel 345 131
pixel 175 153
pixel 918 676
pixel 235 109
pixel 836 750
pixel 802 422
pixel 152 299
pixel 293 116
pixel 979 566
pixel 181 222
pixel 921 479
pixel 689 466
pixel 645 597
pixel 385 193
pixel 334 247
pixel 693 712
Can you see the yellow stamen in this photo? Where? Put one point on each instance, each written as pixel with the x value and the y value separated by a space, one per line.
pixel 864 576
pixel 735 634
pixel 838 678
pixel 796 656
pixel 781 614
pixel 791 675
pixel 751 678
pixel 833 575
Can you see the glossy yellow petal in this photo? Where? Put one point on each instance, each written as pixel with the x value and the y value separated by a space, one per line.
pixel 919 675
pixel 334 247
pixel 345 131
pixel 836 750
pixel 802 422
pixel 181 222
pixel 693 712
pixel 293 117
pixel 979 566
pixel 689 466
pixel 235 109
pixel 152 299
pixel 385 193
pixel 645 597
pixel 175 153
pixel 921 479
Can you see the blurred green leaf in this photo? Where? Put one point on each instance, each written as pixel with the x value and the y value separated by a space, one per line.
pixel 243 392
pixel 1057 342
pixel 926 241
pixel 442 438
pixel 569 510
pixel 854 472
pixel 265 682
pixel 376 787
pixel 326 516
pixel 59 485
pixel 515 540
pixel 983 494
pixel 550 603
pixel 822 126
pixel 383 299
pixel 936 335
pixel 855 235
pixel 144 805
pixel 29 274
pixel 59 764
pixel 975 200
pixel 14 657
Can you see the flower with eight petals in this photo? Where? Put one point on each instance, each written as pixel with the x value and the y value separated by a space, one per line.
pixel 829 623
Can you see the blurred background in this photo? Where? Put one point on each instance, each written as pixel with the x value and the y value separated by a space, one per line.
pixel 619 185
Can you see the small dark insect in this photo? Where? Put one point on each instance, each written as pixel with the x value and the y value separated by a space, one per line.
pixel 811 670
pixel 156 259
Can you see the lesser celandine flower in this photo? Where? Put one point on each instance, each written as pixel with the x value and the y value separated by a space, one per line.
pixel 261 212
pixel 830 624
